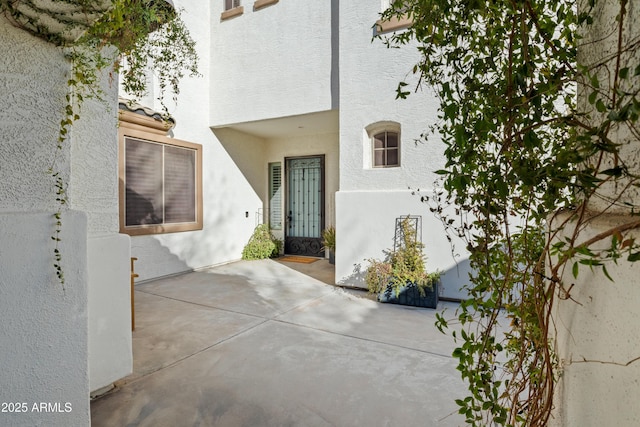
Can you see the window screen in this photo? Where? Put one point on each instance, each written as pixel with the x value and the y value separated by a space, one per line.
pixel 162 187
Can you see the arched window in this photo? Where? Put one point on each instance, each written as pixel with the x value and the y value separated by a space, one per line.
pixel 384 142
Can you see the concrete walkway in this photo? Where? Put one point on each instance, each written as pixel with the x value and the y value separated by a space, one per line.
pixel 257 343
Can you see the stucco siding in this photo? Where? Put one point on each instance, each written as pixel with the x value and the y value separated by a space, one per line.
pixel 597 339
pixel 227 194
pixel 272 62
pixel 369 76
pixel 32 96
pixel 93 185
pixel 366 228
pixel 109 299
pixel 46 324
pixel 596 324
pixel 370 199
pixel 44 330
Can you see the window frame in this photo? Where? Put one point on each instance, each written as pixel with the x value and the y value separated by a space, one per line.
pixel 153 137
pixel 259 4
pixel 376 129
pixel 232 6
pixel 394 23
pixel 233 11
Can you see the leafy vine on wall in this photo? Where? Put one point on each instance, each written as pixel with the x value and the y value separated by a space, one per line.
pixel 537 119
pixel 124 37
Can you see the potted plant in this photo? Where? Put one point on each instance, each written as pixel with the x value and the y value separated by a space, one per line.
pixel 329 242
pixel 401 278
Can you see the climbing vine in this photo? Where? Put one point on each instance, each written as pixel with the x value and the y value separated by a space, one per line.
pixel 123 37
pixel 536 118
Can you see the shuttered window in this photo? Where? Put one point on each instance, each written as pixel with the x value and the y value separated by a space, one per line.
pixel 275 196
pixel 161 190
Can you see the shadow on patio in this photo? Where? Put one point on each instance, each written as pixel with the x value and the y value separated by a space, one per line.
pixel 260 344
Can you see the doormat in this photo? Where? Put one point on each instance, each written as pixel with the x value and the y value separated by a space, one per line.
pixel 300 259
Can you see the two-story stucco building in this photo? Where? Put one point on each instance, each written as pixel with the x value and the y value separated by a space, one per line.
pixel 293 122
pixel 300 128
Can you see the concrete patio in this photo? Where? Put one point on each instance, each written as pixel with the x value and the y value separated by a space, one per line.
pixel 260 343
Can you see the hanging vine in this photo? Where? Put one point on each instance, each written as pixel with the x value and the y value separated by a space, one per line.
pixel 534 119
pixel 127 37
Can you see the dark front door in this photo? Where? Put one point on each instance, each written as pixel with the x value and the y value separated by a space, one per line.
pixel 304 205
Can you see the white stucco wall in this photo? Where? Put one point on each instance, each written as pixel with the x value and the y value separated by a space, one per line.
pixel 31 96
pixel 44 335
pixel 370 199
pixel 227 193
pixel 109 299
pixel 93 184
pixel 366 227
pixel 33 80
pixel 271 62
pixel 93 189
pixel 369 76
pixel 597 341
pixel 248 153
pixel 597 329
pixel 614 196
pixel 44 326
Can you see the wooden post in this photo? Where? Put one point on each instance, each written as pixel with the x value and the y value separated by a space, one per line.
pixel 133 313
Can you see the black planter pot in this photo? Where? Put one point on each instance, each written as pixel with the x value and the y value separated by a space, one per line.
pixel 332 257
pixel 410 295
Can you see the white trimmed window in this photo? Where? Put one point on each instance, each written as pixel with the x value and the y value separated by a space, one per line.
pixel 384 144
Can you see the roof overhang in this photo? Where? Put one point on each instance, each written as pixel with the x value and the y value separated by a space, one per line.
pixel 321 122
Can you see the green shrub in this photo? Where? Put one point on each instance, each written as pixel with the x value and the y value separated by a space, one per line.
pixel 262 244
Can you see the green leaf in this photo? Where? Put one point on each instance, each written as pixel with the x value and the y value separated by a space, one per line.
pixel 616 171
pixel 623 73
pixel 633 257
pixel 575 270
